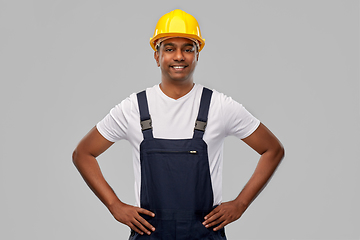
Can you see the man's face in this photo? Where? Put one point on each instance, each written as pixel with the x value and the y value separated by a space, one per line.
pixel 177 59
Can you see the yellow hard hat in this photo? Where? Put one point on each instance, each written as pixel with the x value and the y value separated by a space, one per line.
pixel 177 24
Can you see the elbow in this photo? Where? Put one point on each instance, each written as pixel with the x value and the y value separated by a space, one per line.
pixel 280 153
pixel 276 153
pixel 75 155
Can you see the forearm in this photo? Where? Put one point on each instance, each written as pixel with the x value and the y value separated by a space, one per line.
pixel 89 169
pixel 266 167
pixel 272 152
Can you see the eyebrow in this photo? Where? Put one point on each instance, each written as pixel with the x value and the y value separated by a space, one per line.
pixel 184 45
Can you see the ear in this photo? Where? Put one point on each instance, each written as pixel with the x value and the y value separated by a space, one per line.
pixel 197 56
pixel 156 57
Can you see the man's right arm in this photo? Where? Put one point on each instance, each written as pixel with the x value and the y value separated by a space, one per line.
pixel 84 158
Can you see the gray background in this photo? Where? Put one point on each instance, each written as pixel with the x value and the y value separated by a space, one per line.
pixel 293 64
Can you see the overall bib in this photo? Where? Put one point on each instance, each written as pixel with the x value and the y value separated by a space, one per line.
pixel 175 180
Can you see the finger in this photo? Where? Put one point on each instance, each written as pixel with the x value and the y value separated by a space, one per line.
pixel 146 212
pixel 133 227
pixel 223 224
pixel 141 227
pixel 145 223
pixel 212 218
pixel 215 222
pixel 213 212
pixel 209 215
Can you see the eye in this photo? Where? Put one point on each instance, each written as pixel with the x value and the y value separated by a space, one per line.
pixel 168 50
pixel 189 50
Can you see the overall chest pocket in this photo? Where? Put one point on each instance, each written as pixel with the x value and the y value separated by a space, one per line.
pixel 176 175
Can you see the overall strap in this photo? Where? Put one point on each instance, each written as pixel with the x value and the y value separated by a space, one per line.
pixel 201 121
pixel 145 119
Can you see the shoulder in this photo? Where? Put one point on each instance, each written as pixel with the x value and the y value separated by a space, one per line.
pixel 130 103
pixel 222 100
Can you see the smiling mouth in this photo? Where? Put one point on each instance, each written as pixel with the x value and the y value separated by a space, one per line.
pixel 178 67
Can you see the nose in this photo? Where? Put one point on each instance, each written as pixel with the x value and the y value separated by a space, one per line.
pixel 179 56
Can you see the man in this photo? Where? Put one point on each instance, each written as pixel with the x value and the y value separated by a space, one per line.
pixel 177 130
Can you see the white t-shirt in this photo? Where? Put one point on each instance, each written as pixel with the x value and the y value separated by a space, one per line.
pixel 175 119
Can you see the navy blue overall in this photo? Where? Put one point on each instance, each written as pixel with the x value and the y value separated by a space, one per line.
pixel 175 180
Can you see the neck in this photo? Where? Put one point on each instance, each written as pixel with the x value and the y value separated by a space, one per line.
pixel 176 90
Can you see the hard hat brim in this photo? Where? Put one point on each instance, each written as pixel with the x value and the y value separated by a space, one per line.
pixel 184 35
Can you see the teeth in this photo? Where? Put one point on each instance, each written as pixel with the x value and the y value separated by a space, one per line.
pixel 178 67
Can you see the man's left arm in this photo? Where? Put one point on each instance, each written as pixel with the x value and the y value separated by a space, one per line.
pixel 263 141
